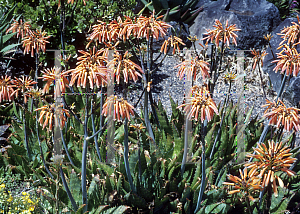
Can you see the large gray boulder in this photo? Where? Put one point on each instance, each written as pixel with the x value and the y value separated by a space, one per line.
pixel 292 88
pixel 255 18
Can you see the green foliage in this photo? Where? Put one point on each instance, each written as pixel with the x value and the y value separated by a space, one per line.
pixel 14 194
pixel 5 46
pixel 285 8
pixel 180 10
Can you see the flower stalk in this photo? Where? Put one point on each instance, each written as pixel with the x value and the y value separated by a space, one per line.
pixel 84 155
pixel 203 178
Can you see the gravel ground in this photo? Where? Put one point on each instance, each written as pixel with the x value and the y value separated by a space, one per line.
pixel 165 82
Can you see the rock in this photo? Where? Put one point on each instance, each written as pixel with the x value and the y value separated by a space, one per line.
pixel 292 91
pixel 255 18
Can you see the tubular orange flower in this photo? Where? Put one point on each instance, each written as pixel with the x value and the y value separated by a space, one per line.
pixel 200 102
pixel 48 111
pixel 149 86
pixel 174 41
pixel 192 67
pixel 122 64
pixel 23 84
pixel 52 75
pixel 276 158
pixel 20 27
pixel 222 34
pixel 281 115
pixel 6 88
pixel 120 107
pixel 35 41
pixel 289 62
pixel 149 26
pixel 258 57
pixel 247 184
pixel 90 68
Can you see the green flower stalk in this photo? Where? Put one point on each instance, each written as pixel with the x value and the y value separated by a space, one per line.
pixel 199 103
pixel 84 156
pixel 203 179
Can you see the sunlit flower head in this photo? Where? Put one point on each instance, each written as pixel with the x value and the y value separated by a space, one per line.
pixel 89 69
pixel 35 93
pixel 247 184
pixel 192 67
pixel 23 84
pixel 221 34
pixel 289 62
pixel 290 34
pixel 49 112
pixel 174 42
pixel 275 158
pixel 145 27
pixel 193 38
pixel 281 115
pixel 119 107
pixel 6 89
pixel 258 58
pixel 123 66
pixel 35 40
pixel 56 77
pixel 268 37
pixel 230 76
pixel 22 28
pixel 117 29
pixel 138 127
pixel 201 103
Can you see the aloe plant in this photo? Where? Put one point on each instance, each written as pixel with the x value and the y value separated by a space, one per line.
pixel 6 48
pixel 181 10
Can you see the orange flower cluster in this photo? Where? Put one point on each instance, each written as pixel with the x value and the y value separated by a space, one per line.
pixel 274 159
pixel 281 115
pixel 22 28
pixel 143 27
pixel 230 76
pixel 290 34
pixel 289 62
pixel 150 26
pixel 247 184
pixel 52 75
pixel 23 84
pixel 258 57
pixel 6 88
pixel 221 34
pixel 200 102
pixel 35 40
pixel 192 67
pixel 263 172
pixel 122 64
pixel 104 32
pixel 138 127
pixel 49 112
pixel 268 37
pixel 120 107
pixel 174 42
pixel 90 69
